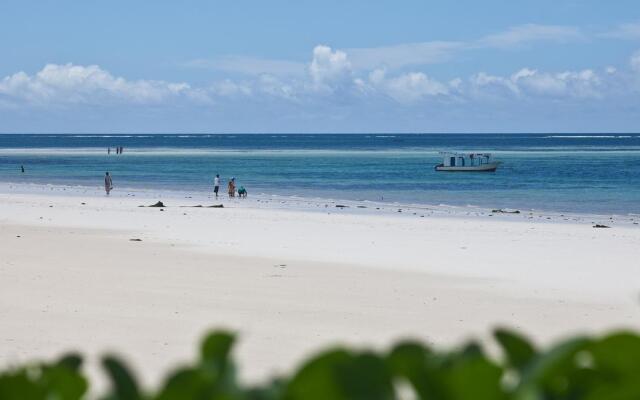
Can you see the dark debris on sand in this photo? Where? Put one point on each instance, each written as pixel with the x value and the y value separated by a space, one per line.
pixel 501 211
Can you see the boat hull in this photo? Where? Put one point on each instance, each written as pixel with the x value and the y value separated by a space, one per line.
pixel 490 167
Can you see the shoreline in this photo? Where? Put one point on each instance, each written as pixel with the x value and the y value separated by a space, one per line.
pixel 312 204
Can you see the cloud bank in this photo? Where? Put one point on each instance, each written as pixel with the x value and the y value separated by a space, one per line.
pixel 68 83
pixel 329 73
pixel 334 85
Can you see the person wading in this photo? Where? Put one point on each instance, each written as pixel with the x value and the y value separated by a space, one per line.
pixel 216 184
pixel 108 183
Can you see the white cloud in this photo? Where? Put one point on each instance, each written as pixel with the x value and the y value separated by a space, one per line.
pixel 434 52
pixel 414 86
pixel 328 72
pixel 530 82
pixel 377 76
pixel 406 88
pixel 273 86
pixel 398 56
pixel 402 55
pixel 229 88
pixel 483 84
pixel 539 83
pixel 519 35
pixel 328 66
pixel 70 83
pixel 456 83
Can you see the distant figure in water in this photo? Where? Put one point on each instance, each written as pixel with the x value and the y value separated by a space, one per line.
pixel 108 183
pixel 22 168
pixel 242 192
pixel 108 150
pixel 232 187
pixel 216 184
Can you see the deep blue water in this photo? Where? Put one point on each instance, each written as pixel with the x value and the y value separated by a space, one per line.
pixel 573 173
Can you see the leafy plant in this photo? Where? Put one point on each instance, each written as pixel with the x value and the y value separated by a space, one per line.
pixel 579 368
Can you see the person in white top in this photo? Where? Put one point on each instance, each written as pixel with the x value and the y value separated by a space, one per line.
pixel 216 184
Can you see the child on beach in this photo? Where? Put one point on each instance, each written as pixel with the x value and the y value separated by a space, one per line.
pixel 242 192
pixel 108 183
pixel 232 187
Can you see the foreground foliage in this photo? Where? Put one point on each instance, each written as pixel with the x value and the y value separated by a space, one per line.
pixel 580 368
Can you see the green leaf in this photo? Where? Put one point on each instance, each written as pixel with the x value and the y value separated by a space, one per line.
pixel 187 384
pixel 73 361
pixel 341 375
pixel 124 386
pixel 212 378
pixel 272 391
pixel 410 361
pixel 617 354
pixel 518 350
pixel 63 383
pixel 367 377
pixel 459 375
pixel 474 377
pixel 578 369
pixel 627 391
pixel 555 372
pixel 616 364
pixel 17 386
pixel 215 349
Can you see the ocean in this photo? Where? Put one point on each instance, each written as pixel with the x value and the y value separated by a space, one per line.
pixel 563 173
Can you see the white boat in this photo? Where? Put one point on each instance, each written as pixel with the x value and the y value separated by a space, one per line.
pixel 467 162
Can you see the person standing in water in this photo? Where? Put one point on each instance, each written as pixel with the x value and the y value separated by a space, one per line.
pixel 232 187
pixel 216 184
pixel 22 168
pixel 108 183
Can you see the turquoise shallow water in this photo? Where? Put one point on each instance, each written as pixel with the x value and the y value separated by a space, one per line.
pixel 572 173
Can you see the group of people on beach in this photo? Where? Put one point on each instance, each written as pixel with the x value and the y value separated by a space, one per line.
pixel 231 188
pixel 119 150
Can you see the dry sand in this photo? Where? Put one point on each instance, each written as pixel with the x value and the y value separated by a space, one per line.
pixel 291 281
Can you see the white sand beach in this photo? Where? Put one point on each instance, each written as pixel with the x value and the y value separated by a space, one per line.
pixel 292 276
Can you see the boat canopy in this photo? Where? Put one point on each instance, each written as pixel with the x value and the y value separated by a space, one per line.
pixel 456 159
pixel 460 154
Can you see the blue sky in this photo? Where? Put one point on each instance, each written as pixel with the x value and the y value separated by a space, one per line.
pixel 309 66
